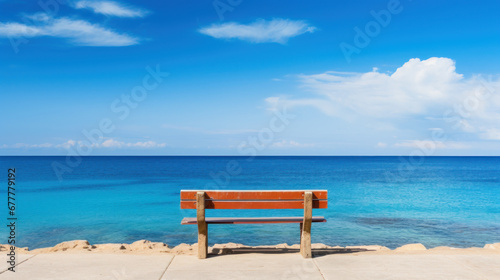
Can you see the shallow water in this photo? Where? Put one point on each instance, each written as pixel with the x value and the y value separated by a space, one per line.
pixel 390 201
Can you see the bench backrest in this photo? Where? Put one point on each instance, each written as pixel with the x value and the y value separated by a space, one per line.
pixel 254 199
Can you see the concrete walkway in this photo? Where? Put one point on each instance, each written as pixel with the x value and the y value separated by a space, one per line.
pixel 254 266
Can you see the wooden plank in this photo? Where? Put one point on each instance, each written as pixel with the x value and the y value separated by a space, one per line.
pixel 202 226
pixel 298 204
pixel 305 241
pixel 252 220
pixel 254 195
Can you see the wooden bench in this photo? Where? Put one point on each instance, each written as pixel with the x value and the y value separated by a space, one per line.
pixel 201 200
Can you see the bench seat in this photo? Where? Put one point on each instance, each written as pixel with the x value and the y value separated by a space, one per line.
pixel 201 200
pixel 259 220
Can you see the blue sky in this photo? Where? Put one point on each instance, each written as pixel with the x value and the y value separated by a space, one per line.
pixel 250 77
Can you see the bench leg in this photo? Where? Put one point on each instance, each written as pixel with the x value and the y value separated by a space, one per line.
pixel 202 240
pixel 202 226
pixel 305 241
pixel 305 237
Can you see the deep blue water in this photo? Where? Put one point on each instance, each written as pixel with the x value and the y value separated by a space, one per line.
pixel 391 201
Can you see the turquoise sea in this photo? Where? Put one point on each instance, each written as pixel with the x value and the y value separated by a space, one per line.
pixel 390 201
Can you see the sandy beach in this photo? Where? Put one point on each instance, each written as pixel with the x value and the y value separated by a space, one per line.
pixel 143 259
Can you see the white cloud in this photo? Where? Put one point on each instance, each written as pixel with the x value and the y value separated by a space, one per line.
pixel 27 146
pixel 425 90
pixel 283 144
pixel 260 31
pixel 491 134
pixel 381 145
pixel 148 144
pixel 45 145
pixel 109 143
pixel 214 132
pixel 40 16
pixel 79 32
pixel 14 29
pixel 110 8
pixel 66 145
pixel 409 90
pixel 289 144
pixel 428 145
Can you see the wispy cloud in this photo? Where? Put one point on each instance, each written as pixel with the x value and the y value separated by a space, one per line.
pixel 111 8
pixel 279 145
pixel 381 145
pixel 215 132
pixel 27 146
pixel 78 32
pixel 14 29
pixel 260 31
pixel 422 144
pixel 491 134
pixel 290 144
pixel 109 143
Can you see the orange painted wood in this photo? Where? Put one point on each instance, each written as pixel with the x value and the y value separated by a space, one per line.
pixel 253 195
pixel 258 220
pixel 286 204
